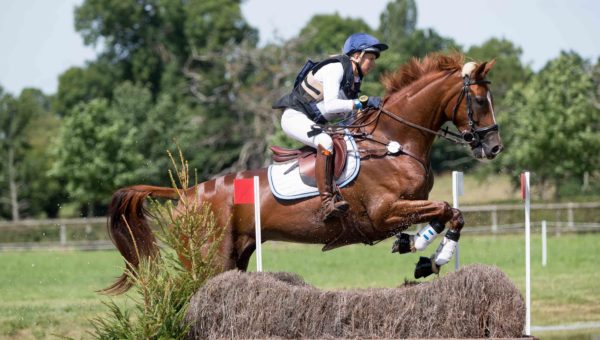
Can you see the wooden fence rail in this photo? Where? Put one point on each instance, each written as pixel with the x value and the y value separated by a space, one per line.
pixel 90 233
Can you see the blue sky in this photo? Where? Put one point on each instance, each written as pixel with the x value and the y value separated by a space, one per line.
pixel 39 42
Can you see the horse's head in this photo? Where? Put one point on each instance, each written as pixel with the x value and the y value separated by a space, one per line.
pixel 473 111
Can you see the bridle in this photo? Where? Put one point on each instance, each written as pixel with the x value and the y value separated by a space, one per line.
pixel 474 135
pixel 471 137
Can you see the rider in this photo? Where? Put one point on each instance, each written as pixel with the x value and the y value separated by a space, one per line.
pixel 329 92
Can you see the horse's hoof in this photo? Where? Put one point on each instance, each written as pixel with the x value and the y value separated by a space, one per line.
pixel 403 244
pixel 424 267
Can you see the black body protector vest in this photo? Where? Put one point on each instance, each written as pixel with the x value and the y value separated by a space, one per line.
pixel 308 90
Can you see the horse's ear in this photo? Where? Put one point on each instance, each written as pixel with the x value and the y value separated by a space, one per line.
pixel 488 67
pixel 478 73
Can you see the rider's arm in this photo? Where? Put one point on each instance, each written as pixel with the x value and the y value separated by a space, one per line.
pixel 333 106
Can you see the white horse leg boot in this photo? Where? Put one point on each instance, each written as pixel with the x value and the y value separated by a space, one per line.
pixel 447 248
pixel 427 234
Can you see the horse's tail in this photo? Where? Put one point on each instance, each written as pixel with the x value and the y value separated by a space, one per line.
pixel 129 229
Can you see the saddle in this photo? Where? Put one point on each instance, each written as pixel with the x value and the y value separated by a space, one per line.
pixel 306 157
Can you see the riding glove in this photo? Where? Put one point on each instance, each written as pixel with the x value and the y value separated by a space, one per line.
pixel 374 102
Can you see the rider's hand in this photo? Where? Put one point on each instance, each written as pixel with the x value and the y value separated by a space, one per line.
pixel 373 102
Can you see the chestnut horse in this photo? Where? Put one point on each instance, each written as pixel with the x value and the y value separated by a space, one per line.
pixel 390 193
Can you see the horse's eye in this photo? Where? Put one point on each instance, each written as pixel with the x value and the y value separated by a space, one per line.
pixel 480 100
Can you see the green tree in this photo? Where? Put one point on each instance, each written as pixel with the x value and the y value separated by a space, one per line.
pixel 397 28
pixel 41 195
pixel 157 127
pixel 422 42
pixel 12 143
pixel 325 35
pixel 149 41
pixel 132 34
pixel 27 126
pixel 508 70
pixel 551 126
pixel 95 152
pixel 82 84
pixel 176 49
pixel 397 23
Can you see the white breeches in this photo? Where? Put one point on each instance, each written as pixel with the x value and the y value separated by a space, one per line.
pixel 296 125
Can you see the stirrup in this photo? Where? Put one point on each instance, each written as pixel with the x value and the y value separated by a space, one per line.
pixel 341 206
pixel 338 209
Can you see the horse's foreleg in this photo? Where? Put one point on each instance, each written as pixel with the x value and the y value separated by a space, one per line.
pixel 446 249
pixel 437 214
pixel 405 213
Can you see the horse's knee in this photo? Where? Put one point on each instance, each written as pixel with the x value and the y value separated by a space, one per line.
pixel 447 213
pixel 457 221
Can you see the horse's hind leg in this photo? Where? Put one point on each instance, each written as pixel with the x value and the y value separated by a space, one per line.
pixel 244 246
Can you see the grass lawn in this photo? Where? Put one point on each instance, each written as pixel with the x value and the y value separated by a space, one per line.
pixel 53 293
pixel 49 293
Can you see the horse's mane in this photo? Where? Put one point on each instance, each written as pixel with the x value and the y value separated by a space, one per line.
pixel 415 69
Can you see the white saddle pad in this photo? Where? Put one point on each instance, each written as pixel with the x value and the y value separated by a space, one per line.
pixel 286 184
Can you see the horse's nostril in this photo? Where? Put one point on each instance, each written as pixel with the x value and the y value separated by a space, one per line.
pixel 496 149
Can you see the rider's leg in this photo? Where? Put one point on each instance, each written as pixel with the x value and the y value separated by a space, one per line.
pixel 325 183
pixel 297 125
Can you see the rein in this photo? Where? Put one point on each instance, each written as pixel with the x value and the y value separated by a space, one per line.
pixel 468 138
pixel 455 137
pixel 472 137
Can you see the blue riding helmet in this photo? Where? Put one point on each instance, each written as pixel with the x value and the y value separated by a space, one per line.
pixel 363 42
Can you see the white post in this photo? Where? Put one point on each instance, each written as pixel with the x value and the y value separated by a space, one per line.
pixel 544 253
pixel 457 190
pixel 257 225
pixel 495 220
pixel 570 218
pixel 525 195
pixel 63 235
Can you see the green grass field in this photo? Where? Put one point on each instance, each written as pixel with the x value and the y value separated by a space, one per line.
pixel 53 293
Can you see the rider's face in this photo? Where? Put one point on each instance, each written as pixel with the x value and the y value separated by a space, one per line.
pixel 367 62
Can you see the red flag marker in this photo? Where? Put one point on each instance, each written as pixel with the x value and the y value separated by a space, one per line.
pixel 243 191
pixel 247 191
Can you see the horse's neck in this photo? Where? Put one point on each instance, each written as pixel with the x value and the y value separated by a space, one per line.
pixel 422 104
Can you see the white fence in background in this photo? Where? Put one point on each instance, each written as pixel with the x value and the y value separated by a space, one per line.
pixel 560 224
pixel 73 233
pixel 55 234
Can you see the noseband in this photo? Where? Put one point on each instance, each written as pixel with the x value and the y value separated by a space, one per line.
pixel 474 136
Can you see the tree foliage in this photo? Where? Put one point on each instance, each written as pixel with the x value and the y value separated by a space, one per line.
pixel 26 126
pixel 96 152
pixel 82 84
pixel 191 73
pixel 551 126
pixel 325 35
pixel 398 22
pixel 508 70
